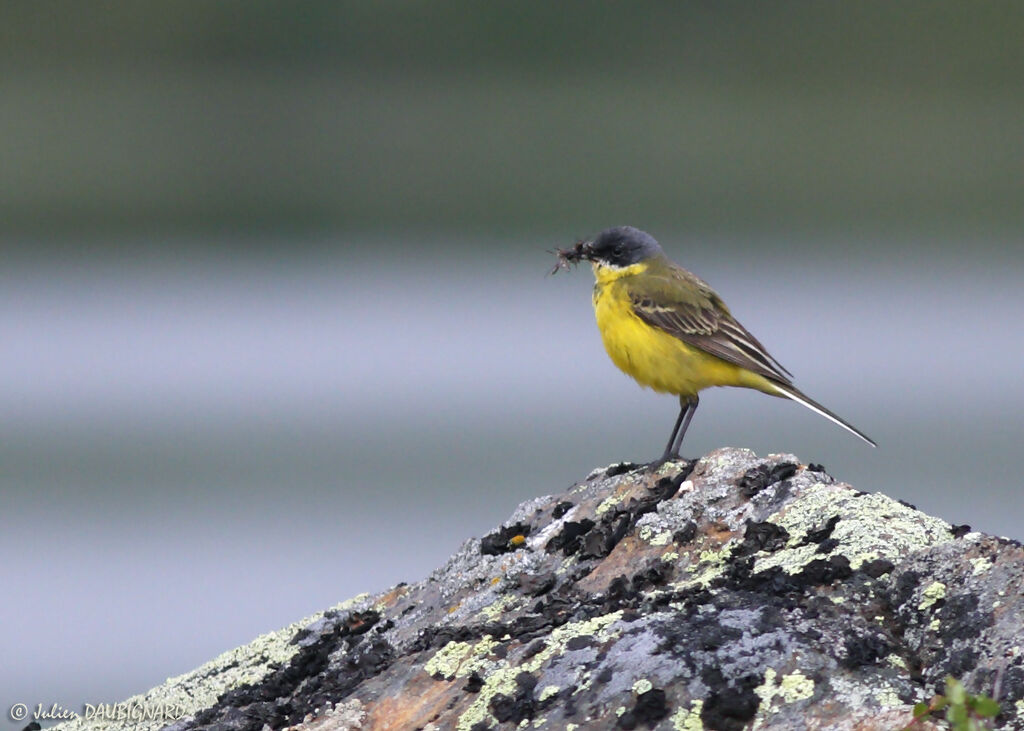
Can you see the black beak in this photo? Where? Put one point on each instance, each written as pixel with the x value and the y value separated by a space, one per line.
pixel 582 250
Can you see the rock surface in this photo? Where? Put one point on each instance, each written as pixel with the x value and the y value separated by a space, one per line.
pixel 735 592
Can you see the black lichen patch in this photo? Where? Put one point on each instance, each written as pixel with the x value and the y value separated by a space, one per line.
pixel 473 683
pixel 667 487
pixel 359 622
pixel 620 469
pixel 307 682
pixel 827 546
pixel 519 707
pixel 650 708
pixel 581 642
pixel 534 648
pixel 685 534
pixel 502 540
pixel 654 573
pixel 620 594
pixel 877 568
pixel 823 571
pixel 602 540
pixel 432 637
pixel 739 576
pixel 561 509
pixel 960 618
pixel 537 584
pixel 1013 684
pixel 959 531
pixel 758 478
pixel 762 536
pixel 816 467
pixel 570 539
pixel 688 632
pixel 906 584
pixel 730 705
pixel 819 535
pixel 595 540
pixel 961 662
pixel 862 650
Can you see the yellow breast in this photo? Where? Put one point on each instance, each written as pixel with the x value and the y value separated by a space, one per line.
pixel 654 358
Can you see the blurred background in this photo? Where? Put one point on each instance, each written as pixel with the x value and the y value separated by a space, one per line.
pixel 274 321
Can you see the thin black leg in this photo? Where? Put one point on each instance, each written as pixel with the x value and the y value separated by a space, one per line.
pixel 691 409
pixel 684 408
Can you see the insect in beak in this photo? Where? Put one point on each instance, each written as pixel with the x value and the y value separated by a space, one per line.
pixel 579 251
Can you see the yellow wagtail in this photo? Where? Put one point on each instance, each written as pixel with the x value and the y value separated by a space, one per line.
pixel 670 331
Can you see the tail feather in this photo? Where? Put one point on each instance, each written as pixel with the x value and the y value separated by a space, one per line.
pixel 793 393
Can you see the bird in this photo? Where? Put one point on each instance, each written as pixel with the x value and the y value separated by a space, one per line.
pixel 670 331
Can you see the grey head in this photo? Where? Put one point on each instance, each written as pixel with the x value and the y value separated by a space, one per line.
pixel 622 246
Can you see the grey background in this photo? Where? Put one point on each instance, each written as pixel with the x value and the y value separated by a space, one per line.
pixel 274 325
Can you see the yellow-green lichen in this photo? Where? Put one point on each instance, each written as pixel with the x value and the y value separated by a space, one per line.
pixel 871 526
pixel 620 710
pixel 791 559
pixel 896 661
pixel 667 468
pixel 887 698
pixel 710 566
pixel 935 591
pixel 502 604
pixel 460 659
pixel 200 688
pixel 1019 709
pixel 547 692
pixel 980 565
pixel 934 625
pixel 446 661
pixel 670 556
pixel 608 503
pixel 642 686
pixel 501 678
pixel 796 687
pixel 662 539
pixel 688 719
pixel 583 682
pixel 788 689
pixel 649 535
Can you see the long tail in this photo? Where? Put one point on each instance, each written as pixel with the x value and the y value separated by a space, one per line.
pixel 800 398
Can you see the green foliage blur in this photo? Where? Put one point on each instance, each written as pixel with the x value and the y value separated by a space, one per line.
pixel 958 708
pixel 119 118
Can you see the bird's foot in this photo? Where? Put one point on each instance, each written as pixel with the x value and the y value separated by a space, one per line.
pixel 664 460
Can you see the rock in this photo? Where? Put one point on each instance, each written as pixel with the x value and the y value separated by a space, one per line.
pixel 730 593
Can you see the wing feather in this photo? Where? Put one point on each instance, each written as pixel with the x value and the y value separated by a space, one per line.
pixel 684 306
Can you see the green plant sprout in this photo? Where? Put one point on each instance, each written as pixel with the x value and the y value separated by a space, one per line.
pixel 963 711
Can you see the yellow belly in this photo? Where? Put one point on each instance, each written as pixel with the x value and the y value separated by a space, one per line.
pixel 656 359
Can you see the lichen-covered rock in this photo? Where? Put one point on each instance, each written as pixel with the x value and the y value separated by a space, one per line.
pixel 730 593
